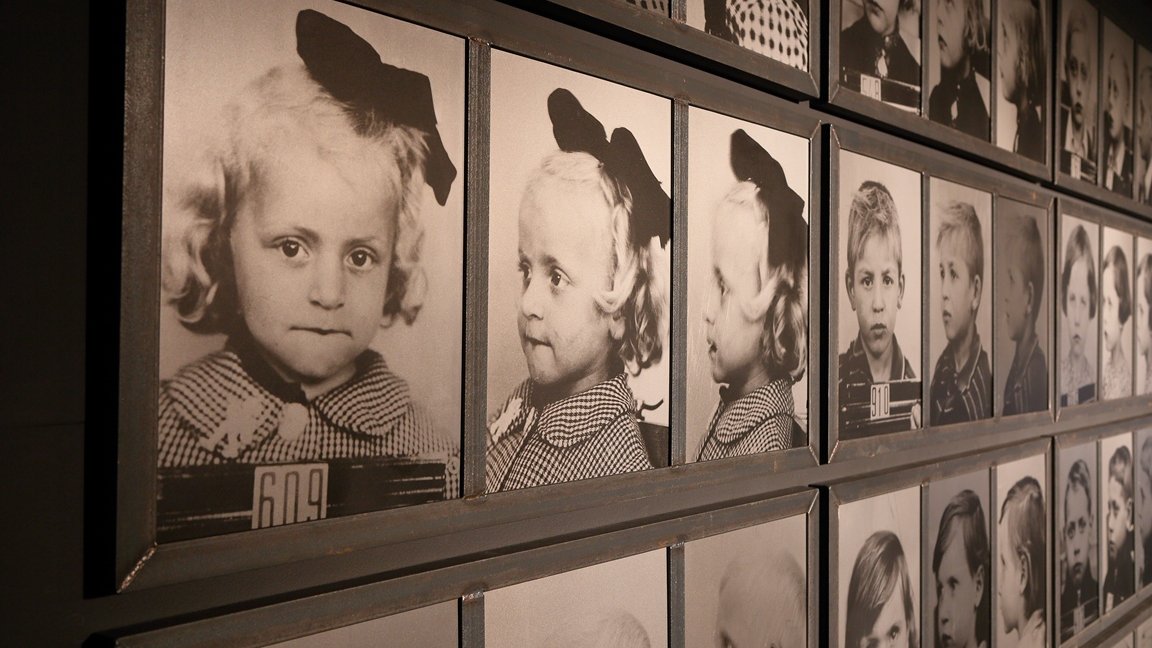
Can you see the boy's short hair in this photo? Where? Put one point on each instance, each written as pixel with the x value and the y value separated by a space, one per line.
pixel 768 580
pixel 958 222
pixel 1028 253
pixel 1077 22
pixel 1144 270
pixel 1025 18
pixel 1078 475
pixel 1078 248
pixel 872 213
pixel 879 569
pixel 1120 470
pixel 1024 509
pixel 283 108
pixel 965 514
pixel 1118 261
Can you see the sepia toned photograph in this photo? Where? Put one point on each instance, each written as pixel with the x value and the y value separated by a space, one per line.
pixel 747 366
pixel 748 587
pixel 879 569
pixel 1118 533
pixel 1117 159
pixel 959 51
pixel 1116 314
pixel 1021 309
pixel 1021 565
pixel 1077 334
pixel 619 603
pixel 1079 90
pixel 878 310
pixel 880 50
pixel 312 260
pixel 958 588
pixel 434 626
pixel 1142 315
pixel 1142 468
pixel 1022 51
pixel 1078 563
pixel 777 29
pixel 1142 118
pixel 960 301
pixel 578 276
pixel 1144 635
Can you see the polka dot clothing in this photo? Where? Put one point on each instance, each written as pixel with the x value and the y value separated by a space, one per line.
pixel 774 28
pixel 657 6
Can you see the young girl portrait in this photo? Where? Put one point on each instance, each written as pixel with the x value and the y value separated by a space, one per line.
pixel 297 235
pixel 1077 317
pixel 578 269
pixel 747 288
pixel 960 64
pixel 1116 315
pixel 1021 567
pixel 1142 315
pixel 1021 62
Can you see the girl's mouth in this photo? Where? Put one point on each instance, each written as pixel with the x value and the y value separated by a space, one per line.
pixel 322 331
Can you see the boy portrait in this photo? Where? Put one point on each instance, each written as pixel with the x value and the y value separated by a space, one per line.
pixel 1116 314
pixel 880 50
pixel 1079 88
pixel 1142 315
pixel 1117 160
pixel 1021 554
pixel 1118 533
pixel 777 29
pixel 1142 456
pixel 1143 118
pixel 960 584
pixel 1079 589
pixel 879 314
pixel 1022 69
pixel 1077 318
pixel 961 328
pixel 960 64
pixel 1020 309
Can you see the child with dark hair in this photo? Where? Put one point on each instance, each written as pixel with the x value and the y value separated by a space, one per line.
pixel 1079 594
pixel 1022 583
pixel 1118 158
pixel 1077 104
pixel 960 99
pixel 880 595
pixel 961 562
pixel 1026 389
pixel 1021 69
pixel 1078 304
pixel 1143 318
pixel 1120 576
pixel 1144 508
pixel 1143 119
pixel 873 47
pixel 1115 311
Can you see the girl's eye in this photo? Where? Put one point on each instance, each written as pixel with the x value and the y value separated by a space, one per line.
pixel 362 259
pixel 290 248
pixel 556 278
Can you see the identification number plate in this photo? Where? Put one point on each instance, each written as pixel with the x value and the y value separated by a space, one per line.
pixel 870 86
pixel 289 493
pixel 880 401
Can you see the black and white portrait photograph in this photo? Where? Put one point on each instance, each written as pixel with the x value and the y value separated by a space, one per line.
pixel 958 581
pixel 1123 641
pixel 747 376
pixel 1142 120
pixel 1021 309
pixel 878 309
pixel 434 626
pixel 1117 163
pixel 1077 332
pixel 1118 532
pixel 1021 565
pixel 1077 548
pixel 748 587
pixel 310 319
pixel 1142 469
pixel 619 603
pixel 880 50
pixel 879 570
pixel 1144 635
pixel 1142 315
pixel 959 51
pixel 1022 67
pixel 578 276
pixel 777 29
pixel 1116 314
pixel 960 302
pixel 1079 90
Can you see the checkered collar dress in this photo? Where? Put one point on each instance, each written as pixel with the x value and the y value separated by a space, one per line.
pixel 590 434
pixel 760 421
pixel 230 407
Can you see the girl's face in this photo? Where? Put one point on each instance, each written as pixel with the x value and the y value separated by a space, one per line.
pixel 565 262
pixel 1010 583
pixel 1110 310
pixel 1143 332
pixel 1076 305
pixel 1009 55
pixel 950 32
pixel 312 253
pixel 891 627
pixel 734 340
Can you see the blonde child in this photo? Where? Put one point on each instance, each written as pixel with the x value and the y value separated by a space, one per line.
pixel 960 99
pixel 1022 580
pixel 1115 311
pixel 591 306
pixel 757 316
pixel 962 381
pixel 880 597
pixel 1021 68
pixel 299 243
pixel 1026 389
pixel 1078 304
pixel 762 601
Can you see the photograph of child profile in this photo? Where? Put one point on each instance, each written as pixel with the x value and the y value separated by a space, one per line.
pixel 1116 314
pixel 1021 47
pixel 878 322
pixel 1021 564
pixel 747 378
pixel 748 587
pixel 777 29
pixel 1020 310
pixel 1078 566
pixel 960 298
pixel 880 50
pixel 1079 90
pixel 958 585
pixel 1118 531
pixel 1078 329
pixel 1117 158
pixel 960 65
pixel 1142 460
pixel 578 276
pixel 1142 118
pixel 312 232
pixel 1142 315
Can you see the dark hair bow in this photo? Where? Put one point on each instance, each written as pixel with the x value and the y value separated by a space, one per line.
pixel 788 232
pixel 576 129
pixel 351 70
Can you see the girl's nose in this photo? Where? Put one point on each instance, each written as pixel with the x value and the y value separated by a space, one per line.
pixel 531 299
pixel 327 289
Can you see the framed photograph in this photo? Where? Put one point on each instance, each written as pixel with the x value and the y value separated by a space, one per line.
pixel 778 30
pixel 1116 314
pixel 1142 467
pixel 1144 634
pixel 958 562
pixel 879 52
pixel 960 301
pixel 1078 506
pixel 1079 90
pixel 1142 315
pixel 959 67
pixel 1021 544
pixel 1142 118
pixel 1117 166
pixel 1118 533
pixel 1077 324
pixel 1023 57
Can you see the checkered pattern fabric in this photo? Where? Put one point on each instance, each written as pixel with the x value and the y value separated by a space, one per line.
pixel 760 421
pixel 777 29
pixel 1026 389
pixel 964 395
pixel 1077 381
pixel 1116 381
pixel 591 434
pixel 214 412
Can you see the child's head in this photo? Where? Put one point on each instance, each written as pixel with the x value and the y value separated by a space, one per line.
pixel 1118 96
pixel 763 601
pixel 880 596
pixel 961 251
pixel 1078 522
pixel 1078 289
pixel 1120 505
pixel 608 628
pixel 590 304
pixel 961 29
pixel 875 276
pixel 884 15
pixel 1078 65
pixel 1115 297
pixel 960 562
pixel 1144 306
pixel 1021 62
pixel 303 229
pixel 1144 504
pixel 1021 584
pixel 757 320
pixel 1024 287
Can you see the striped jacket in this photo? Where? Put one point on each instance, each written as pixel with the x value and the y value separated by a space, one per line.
pixel 964 394
pixel 760 421
pixel 1026 389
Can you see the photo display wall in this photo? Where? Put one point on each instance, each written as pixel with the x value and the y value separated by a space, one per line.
pixel 544 335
